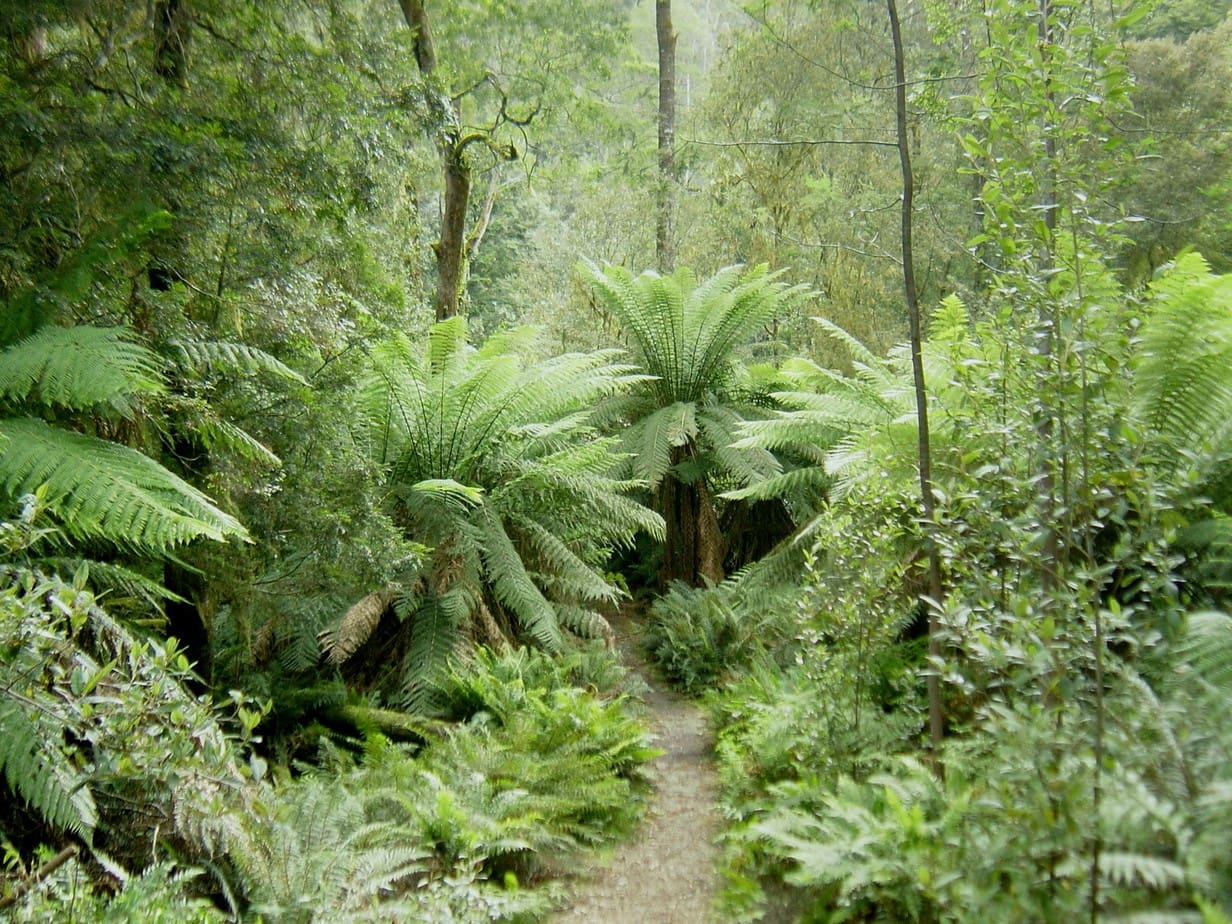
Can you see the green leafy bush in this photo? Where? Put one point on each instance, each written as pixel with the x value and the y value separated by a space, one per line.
pixel 701 637
pixel 102 743
pixel 463 828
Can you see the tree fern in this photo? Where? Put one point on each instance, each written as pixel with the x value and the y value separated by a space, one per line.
pixel 681 433
pixel 493 462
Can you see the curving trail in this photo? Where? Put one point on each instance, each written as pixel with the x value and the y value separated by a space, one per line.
pixel 665 873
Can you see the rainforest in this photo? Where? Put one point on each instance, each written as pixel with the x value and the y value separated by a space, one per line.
pixel 666 461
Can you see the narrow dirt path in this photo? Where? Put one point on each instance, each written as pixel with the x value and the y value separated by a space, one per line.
pixel 665 873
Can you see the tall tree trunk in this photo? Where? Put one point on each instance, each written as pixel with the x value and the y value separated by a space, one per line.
pixel 936 717
pixel 450 249
pixel 665 254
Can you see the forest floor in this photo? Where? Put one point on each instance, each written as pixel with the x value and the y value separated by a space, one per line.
pixel 665 874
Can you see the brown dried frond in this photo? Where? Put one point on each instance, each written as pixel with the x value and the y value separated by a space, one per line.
pixel 263 644
pixel 356 627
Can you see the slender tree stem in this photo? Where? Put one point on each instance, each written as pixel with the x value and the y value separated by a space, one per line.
pixel 936 717
pixel 665 226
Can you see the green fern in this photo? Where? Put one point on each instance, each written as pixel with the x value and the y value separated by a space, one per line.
pixel 436 626
pixel 101 490
pixel 216 356
pixel 1182 389
pixel 43 776
pixel 493 461
pixel 80 368
pixel 682 422
pixel 96 489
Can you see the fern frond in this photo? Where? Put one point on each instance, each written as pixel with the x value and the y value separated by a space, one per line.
pixel 667 428
pixel 860 354
pixel 37 771
pixel 514 587
pixel 215 433
pixel 108 576
pixel 101 490
pixel 218 356
pixel 811 482
pixel 435 634
pixel 80 368
pixel 746 464
pixel 582 579
pixel 585 623
pixel 1183 393
pixel 1206 647
pixel 446 340
pixel 1141 870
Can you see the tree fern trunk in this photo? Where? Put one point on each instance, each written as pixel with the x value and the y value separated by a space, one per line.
pixel 693 544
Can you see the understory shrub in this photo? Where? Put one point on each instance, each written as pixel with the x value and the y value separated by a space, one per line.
pixel 700 638
pixel 152 800
pixel 1084 760
pixel 465 828
pixel 104 747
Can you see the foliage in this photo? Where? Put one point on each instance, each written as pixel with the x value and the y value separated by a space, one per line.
pixel 683 417
pixel 95 488
pixel 157 896
pixel 688 333
pixel 102 740
pixel 491 461
pixel 700 638
pixel 1179 192
pixel 862 832
pixel 448 833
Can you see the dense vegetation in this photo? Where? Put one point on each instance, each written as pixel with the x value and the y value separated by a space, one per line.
pixel 338 409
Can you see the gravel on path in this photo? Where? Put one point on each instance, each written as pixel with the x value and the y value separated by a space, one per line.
pixel 665 874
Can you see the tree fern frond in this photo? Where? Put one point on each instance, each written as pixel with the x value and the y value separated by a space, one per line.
pixel 514 587
pixel 464 495
pixel 37 771
pixel 446 340
pixel 790 431
pixel 215 433
pixel 218 356
pixel 1141 870
pixel 584 581
pixel 1206 647
pixel 1182 391
pixel 810 481
pixel 667 428
pixel 435 634
pixel 79 368
pixel 107 577
pixel 106 491
pixel 859 352
pixel 746 464
pixel 585 623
